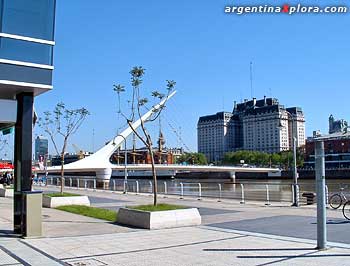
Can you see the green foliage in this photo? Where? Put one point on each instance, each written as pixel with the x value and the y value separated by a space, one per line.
pixel 282 159
pixel 64 194
pixel 193 158
pixel 159 207
pixel 139 103
pixel 98 213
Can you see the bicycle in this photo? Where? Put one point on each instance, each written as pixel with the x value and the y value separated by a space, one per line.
pixel 336 200
pixel 346 210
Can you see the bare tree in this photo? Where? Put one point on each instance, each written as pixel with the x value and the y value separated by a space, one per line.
pixel 137 104
pixel 64 123
pixel 3 142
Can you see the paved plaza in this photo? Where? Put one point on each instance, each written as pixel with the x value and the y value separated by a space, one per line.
pixel 230 234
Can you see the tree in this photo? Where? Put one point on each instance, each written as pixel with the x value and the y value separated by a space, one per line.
pixel 64 123
pixel 284 158
pixel 3 142
pixel 139 103
pixel 193 158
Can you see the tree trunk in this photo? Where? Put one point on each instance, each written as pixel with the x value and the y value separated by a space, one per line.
pixel 62 162
pixel 155 187
pixel 62 172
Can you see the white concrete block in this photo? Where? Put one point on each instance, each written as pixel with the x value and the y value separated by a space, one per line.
pixel 159 219
pixel 53 202
pixel 6 192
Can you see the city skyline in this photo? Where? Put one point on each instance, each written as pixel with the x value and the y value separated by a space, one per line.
pixel 211 66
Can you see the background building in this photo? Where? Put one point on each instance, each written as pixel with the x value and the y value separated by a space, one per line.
pixel 215 135
pixel 336 145
pixel 337 125
pixel 257 125
pixel 41 148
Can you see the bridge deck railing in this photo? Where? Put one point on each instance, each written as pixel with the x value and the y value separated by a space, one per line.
pixel 265 192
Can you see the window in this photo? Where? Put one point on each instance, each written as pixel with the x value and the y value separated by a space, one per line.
pixel 24 51
pixel 29 18
pixel 25 74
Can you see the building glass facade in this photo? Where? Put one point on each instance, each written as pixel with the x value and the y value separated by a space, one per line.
pixel 41 148
pixel 30 18
pixel 26 46
pixel 26 65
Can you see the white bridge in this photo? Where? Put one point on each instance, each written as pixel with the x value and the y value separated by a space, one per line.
pixel 99 162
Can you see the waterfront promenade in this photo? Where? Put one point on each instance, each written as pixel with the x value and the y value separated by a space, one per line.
pixel 231 234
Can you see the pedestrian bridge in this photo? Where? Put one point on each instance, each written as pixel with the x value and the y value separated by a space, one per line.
pixel 104 173
pixel 99 162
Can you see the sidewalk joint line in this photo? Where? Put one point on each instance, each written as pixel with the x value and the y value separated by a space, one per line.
pixel 43 253
pixel 14 256
pixel 152 249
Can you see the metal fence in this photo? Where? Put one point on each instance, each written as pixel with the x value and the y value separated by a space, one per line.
pixel 243 192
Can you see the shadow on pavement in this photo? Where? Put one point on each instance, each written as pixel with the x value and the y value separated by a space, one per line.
pixel 257 249
pixel 8 233
pixel 294 256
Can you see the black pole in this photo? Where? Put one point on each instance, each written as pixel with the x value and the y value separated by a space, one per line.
pixel 23 158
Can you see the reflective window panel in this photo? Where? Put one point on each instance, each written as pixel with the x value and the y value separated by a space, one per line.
pixel 25 74
pixel 29 18
pixel 25 51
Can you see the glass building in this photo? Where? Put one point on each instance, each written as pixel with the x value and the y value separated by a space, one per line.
pixel 26 46
pixel 41 148
pixel 26 66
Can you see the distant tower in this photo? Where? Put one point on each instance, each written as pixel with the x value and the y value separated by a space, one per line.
pixel 331 124
pixel 161 142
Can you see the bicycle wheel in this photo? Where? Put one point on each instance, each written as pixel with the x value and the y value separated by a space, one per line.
pixel 346 210
pixel 335 201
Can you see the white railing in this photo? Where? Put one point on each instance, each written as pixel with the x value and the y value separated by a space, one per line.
pixel 247 191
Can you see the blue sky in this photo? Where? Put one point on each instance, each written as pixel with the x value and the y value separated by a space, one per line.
pixel 303 60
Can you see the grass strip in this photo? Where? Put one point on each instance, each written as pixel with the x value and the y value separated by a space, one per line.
pixel 94 212
pixel 59 194
pixel 159 207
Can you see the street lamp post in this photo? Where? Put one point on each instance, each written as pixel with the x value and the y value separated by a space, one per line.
pixel 125 166
pixel 46 157
pixel 295 169
pixel 295 173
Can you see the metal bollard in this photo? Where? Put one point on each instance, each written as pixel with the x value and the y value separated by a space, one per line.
pixel 70 182
pixel 242 194
pixel 85 184
pixel 124 187
pixel 267 196
pixel 78 185
pixel 293 194
pixel 327 195
pixel 57 182
pixel 137 187
pixel 94 184
pixel 150 185
pixel 219 200
pixel 297 194
pixel 113 184
pixel 165 189
pixel 51 181
pixel 199 191
pixel 182 190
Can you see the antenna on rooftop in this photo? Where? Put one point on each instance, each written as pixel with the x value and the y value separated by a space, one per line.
pixel 251 79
